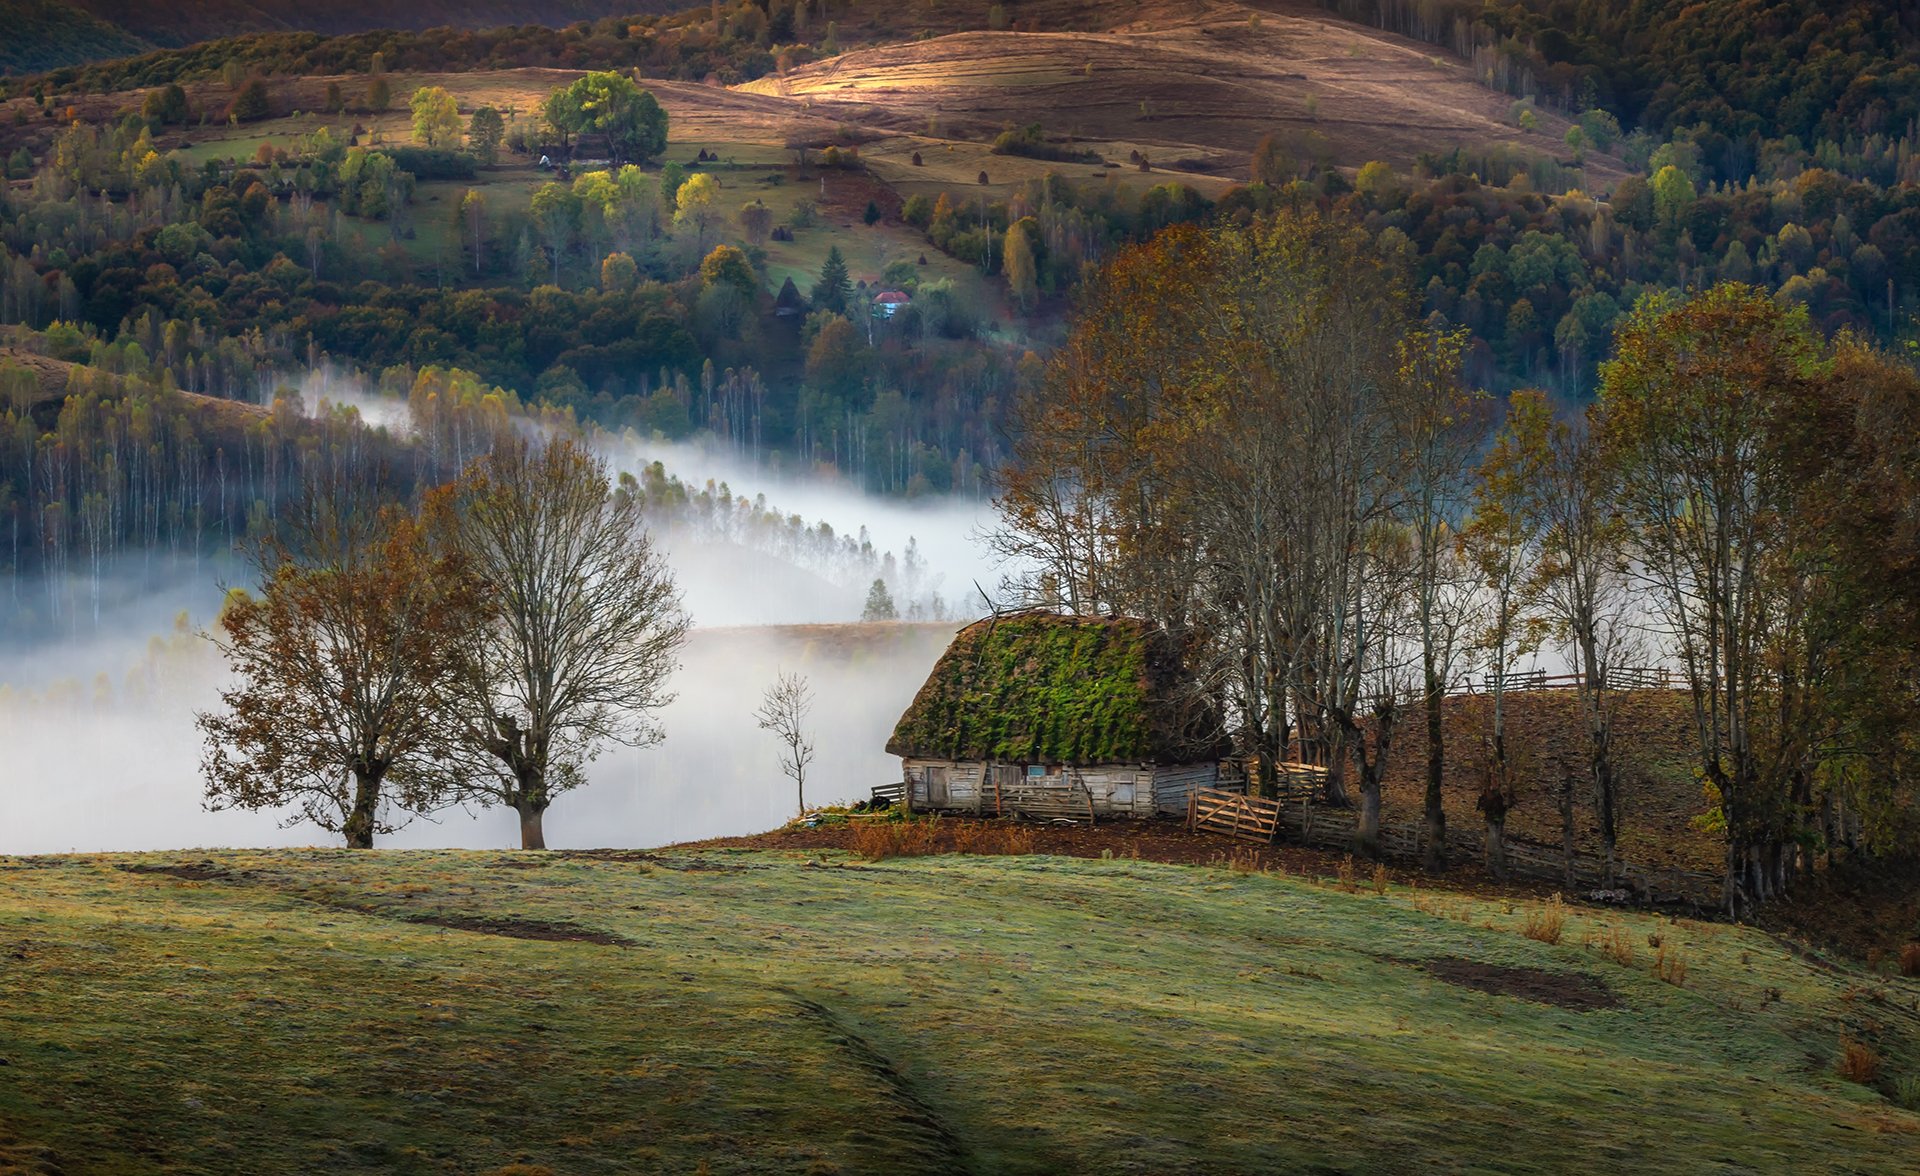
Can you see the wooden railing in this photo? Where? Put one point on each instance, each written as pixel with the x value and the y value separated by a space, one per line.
pixel 894 793
pixel 1619 678
pixel 1265 821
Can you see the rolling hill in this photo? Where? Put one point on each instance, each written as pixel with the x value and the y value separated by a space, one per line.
pixel 1194 87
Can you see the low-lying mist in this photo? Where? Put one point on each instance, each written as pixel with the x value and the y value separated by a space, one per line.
pixel 110 761
pixel 98 714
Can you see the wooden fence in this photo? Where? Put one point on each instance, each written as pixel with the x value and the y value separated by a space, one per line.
pixel 894 793
pixel 1072 803
pixel 1619 678
pixel 1299 819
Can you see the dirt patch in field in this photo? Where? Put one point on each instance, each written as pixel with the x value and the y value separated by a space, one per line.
pixel 186 871
pixel 1567 990
pixel 522 929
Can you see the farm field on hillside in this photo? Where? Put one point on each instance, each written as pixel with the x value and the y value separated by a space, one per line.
pixel 761 1011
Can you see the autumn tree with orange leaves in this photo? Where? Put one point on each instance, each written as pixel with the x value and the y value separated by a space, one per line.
pixel 1249 439
pixel 344 661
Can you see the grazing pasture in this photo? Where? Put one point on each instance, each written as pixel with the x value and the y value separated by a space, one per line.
pixel 763 1011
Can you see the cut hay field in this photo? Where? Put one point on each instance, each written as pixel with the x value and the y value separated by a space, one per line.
pixel 1192 87
pixel 715 1011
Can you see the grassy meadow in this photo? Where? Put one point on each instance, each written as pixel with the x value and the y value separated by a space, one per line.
pixel 758 1011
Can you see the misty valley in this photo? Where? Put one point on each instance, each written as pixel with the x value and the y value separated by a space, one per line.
pixel 986 587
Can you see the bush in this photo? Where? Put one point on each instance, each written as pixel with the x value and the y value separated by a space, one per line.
pixel 879 840
pixel 1670 965
pixel 1614 944
pixel 1910 960
pixel 1906 1092
pixel 992 837
pixel 1546 922
pixel 1031 142
pixel 250 105
pixel 1858 1061
pixel 432 163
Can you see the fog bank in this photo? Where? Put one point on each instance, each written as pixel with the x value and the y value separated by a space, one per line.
pixel 93 771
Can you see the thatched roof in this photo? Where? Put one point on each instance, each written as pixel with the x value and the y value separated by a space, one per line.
pixel 1037 687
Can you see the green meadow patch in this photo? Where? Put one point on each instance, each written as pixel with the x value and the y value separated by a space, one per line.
pixel 757 1011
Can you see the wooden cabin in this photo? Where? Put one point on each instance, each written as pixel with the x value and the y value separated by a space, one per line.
pixel 1059 716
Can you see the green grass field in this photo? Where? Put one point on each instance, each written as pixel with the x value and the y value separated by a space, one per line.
pixel 774 1012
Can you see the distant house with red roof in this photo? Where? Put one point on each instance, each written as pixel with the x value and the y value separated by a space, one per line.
pixel 888 303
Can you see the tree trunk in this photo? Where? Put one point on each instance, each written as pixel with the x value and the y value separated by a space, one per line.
pixel 1606 788
pixel 1497 847
pixel 1268 775
pixel 1566 824
pixel 1367 834
pixel 532 834
pixel 1434 856
pixel 366 803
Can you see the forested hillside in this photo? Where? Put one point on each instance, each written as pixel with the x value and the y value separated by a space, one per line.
pixel 1732 75
pixel 225 217
pixel 49 34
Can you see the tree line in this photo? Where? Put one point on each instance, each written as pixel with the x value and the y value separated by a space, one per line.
pixel 1253 438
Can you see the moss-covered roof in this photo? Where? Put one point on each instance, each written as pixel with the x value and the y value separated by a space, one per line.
pixel 1037 687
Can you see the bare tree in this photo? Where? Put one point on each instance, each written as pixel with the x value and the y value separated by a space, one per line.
pixel 1439 426
pixel 783 711
pixel 344 664
pixel 586 625
pixel 1553 475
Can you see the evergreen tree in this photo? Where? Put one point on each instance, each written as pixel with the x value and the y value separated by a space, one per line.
pixel 879 604
pixel 830 292
pixel 485 132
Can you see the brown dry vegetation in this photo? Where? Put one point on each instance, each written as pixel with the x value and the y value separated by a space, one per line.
pixel 1193 87
pixel 1659 802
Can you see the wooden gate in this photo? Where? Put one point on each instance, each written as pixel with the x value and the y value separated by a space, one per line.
pixel 1246 817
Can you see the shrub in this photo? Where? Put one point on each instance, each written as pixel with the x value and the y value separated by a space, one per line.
pixel 1906 1091
pixel 879 840
pixel 1614 944
pixel 1910 960
pixel 992 837
pixel 1858 1061
pixel 250 105
pixel 1031 142
pixel 431 163
pixel 1546 922
pixel 1670 964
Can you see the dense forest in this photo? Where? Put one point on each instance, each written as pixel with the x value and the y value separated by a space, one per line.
pixel 50 34
pixel 1730 76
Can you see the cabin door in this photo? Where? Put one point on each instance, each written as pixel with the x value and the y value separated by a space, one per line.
pixel 936 780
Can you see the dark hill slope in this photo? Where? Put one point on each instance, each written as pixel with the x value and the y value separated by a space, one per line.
pixel 48 34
